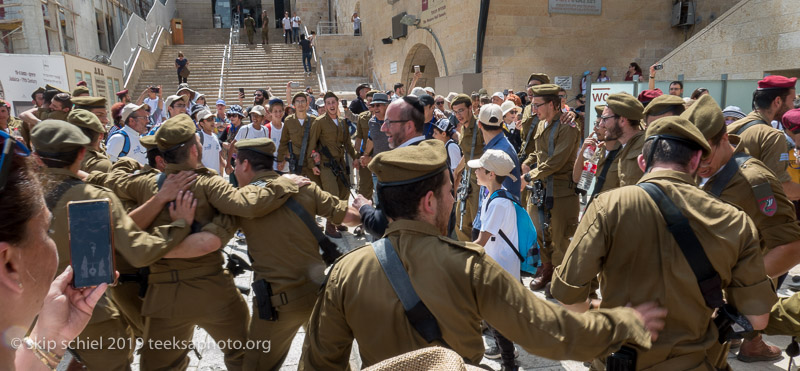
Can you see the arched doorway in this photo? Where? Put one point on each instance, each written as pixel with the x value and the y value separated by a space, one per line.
pixel 422 56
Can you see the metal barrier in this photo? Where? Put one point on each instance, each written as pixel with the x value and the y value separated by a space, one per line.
pixel 334 28
pixel 323 85
pixel 227 55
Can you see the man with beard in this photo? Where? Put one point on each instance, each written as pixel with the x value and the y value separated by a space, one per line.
pixel 621 120
pixel 444 274
pixel 605 156
pixel 773 98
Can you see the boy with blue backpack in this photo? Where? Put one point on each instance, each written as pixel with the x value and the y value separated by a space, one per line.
pixel 507 233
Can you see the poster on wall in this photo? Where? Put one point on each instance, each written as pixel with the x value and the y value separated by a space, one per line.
pixel 23 73
pixel 564 82
pixel 598 94
pixel 590 7
pixel 433 11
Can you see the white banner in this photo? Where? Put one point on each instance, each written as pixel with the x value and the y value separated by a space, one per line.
pixel 598 94
pixel 23 73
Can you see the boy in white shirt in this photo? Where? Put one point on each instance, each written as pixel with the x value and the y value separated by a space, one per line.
pixel 212 150
pixel 498 234
pixel 254 130
pixel 275 129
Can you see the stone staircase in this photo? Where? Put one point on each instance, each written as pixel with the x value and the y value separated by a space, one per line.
pixel 252 67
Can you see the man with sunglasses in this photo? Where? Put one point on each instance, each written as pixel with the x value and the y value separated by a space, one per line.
pixel 732 175
pixel 621 120
pixel 125 142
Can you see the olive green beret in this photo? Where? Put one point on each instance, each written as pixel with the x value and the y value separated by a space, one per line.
pixel 148 141
pixel 599 109
pixel 89 102
pixel 706 115
pixel 264 146
pixel 52 137
pixel 85 119
pixel 174 132
pixel 482 91
pixel 461 99
pixel 673 127
pixel 37 91
pixel 545 89
pixel 661 104
pixel 49 87
pixel 541 77
pixel 330 94
pixel 412 163
pixel 80 90
pixel 625 105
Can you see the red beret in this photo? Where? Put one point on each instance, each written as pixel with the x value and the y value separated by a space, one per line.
pixel 648 95
pixel 791 120
pixel 81 83
pixel 122 92
pixel 776 82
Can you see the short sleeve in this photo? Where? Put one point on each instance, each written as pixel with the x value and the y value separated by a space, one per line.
pixel 114 147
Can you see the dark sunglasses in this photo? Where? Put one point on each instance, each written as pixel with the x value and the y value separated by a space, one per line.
pixel 9 144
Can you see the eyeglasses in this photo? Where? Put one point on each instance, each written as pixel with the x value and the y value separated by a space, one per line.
pixel 461 111
pixel 604 118
pixel 389 122
pixel 139 117
pixel 562 96
pixel 9 144
pixel 258 95
pixel 439 103
pixel 536 106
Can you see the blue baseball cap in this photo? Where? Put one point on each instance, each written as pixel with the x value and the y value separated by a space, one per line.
pixel 220 101
pixel 603 69
pixel 586 72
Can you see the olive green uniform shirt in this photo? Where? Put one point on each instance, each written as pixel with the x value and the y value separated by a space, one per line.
pixel 624 238
pixel 283 250
pixel 527 147
pixel 774 230
pixel 765 143
pixel 95 161
pixel 465 140
pixel 362 129
pixel 629 171
pixel 324 132
pixel 612 176
pixel 293 131
pixel 559 165
pixel 460 285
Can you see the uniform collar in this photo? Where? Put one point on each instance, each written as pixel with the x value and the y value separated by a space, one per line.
pixel 416 226
pixel 674 175
pixel 264 175
pixel 176 168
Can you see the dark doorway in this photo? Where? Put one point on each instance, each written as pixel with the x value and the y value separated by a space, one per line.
pixel 281 6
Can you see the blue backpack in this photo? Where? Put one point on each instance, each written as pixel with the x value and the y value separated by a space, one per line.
pixel 528 251
pixel 126 147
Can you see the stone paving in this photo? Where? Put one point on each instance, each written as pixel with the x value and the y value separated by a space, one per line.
pixel 212 359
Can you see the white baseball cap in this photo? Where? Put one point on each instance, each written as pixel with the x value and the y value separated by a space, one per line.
pixel 130 108
pixel 172 98
pixel 490 115
pixel 258 109
pixel 495 160
pixel 507 106
pixel 204 114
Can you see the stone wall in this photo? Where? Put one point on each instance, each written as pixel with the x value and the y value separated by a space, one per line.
pixel 522 37
pixel 311 12
pixel 753 37
pixel 341 57
pixel 195 14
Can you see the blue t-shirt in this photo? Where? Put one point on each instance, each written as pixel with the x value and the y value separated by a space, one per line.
pixel 500 142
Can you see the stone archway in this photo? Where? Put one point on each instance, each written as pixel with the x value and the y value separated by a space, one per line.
pixel 420 55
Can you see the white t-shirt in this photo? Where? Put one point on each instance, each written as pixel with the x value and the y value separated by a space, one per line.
pixel 211 150
pixel 454 154
pixel 356 23
pixel 116 143
pixel 248 132
pixel 501 215
pixel 295 21
pixel 275 135
pixel 287 23
pixel 153 103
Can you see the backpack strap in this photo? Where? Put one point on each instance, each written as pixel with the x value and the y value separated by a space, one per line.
pixel 126 147
pixel 678 225
pixel 304 144
pixel 502 193
pixel 52 197
pixel 749 125
pixel 202 137
pixel 418 314
pixel 601 179
pixel 550 149
pixel 724 177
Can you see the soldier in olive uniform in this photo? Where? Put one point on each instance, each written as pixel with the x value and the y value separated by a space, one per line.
pixel 623 237
pixel 186 292
pixel 365 185
pixel 605 157
pixel 285 255
pixel 250 28
pixel 95 105
pixel 746 182
pixel 456 281
pixel 61 148
pixel 772 98
pixel 556 146
pixel 297 132
pixel 330 134
pixel 663 106
pixel 528 120
pixel 621 120
pixel 95 159
pixel 471 143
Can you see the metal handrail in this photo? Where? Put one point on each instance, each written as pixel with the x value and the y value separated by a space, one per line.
pixel 227 56
pixel 323 85
pixel 331 28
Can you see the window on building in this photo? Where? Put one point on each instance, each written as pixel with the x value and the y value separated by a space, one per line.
pixel 78 76
pixel 110 34
pixel 110 91
pixel 101 33
pixel 116 86
pixel 88 78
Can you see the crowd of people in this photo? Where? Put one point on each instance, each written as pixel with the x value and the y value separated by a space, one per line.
pixel 662 233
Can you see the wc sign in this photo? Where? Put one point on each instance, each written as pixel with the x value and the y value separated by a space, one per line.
pixel 598 94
